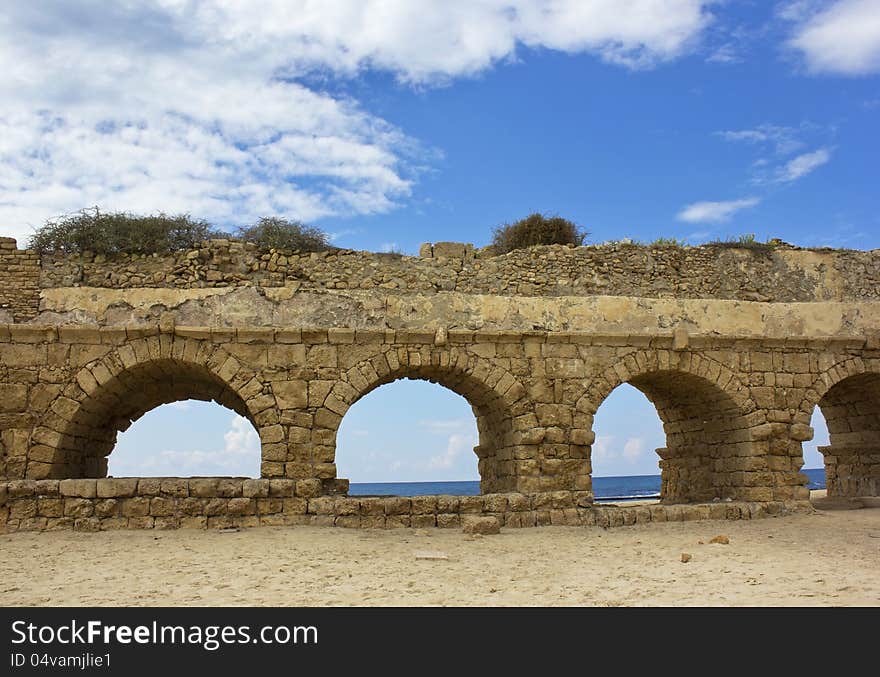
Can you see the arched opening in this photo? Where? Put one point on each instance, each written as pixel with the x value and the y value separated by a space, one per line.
pixel 814 461
pixel 91 425
pixel 409 438
pixel 707 436
pixel 851 409
pixel 625 465
pixel 189 438
pixel 496 399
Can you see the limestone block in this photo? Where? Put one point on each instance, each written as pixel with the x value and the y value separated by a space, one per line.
pixel 272 434
pixel 191 506
pixel 177 487
pixel 452 250
pixel 87 524
pixel 308 488
pixel 161 506
pixel 801 432
pixel 13 397
pixel 113 487
pixel 203 487
pixel 229 488
pixel 135 507
pixel 214 507
pixel 582 437
pixel 398 521
pixel 282 488
pixel 448 520
pixel 241 506
pixel 447 504
pixel 469 504
pixel 395 505
pixel 78 488
pixel 484 524
pixel 295 506
pixel 106 508
pixel 495 503
pixel 255 488
pixel 78 507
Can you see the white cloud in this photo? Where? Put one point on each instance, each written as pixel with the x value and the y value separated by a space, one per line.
pixel 422 42
pixel 606 449
pixel 239 457
pixel 602 448
pixel 714 212
pixel 842 38
pixel 201 107
pixel 802 165
pixel 457 444
pixel 726 54
pixel 241 438
pixel 341 234
pixel 633 449
pixel 783 139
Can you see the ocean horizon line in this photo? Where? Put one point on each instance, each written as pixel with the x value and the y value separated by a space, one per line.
pixel 608 487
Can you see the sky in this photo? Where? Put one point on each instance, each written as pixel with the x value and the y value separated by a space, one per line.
pixel 392 123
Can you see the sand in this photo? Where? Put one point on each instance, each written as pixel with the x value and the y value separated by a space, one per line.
pixel 830 557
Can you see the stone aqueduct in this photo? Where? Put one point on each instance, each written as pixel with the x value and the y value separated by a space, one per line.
pixel 734 347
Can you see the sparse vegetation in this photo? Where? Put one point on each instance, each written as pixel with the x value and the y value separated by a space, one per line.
pixel 277 233
pixel 536 229
pixel 745 241
pixel 668 242
pixel 92 230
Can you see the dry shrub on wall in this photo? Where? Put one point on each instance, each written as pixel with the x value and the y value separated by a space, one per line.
pixel 92 230
pixel 276 233
pixel 536 229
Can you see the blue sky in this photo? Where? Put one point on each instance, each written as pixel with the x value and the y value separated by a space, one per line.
pixel 389 124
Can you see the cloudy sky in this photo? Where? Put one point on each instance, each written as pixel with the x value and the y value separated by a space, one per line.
pixel 398 122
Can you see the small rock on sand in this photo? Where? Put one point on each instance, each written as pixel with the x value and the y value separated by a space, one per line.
pixel 720 538
pixel 432 555
pixel 685 557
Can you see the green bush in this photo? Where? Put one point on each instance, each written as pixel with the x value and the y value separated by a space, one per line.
pixel 536 229
pixel 276 233
pixel 119 232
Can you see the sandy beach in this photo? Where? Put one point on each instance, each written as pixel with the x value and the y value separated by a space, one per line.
pixel 829 557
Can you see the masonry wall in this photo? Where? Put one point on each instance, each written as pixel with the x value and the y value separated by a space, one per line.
pixel 735 411
pixel 171 503
pixel 734 367
pixel 19 282
pixel 779 274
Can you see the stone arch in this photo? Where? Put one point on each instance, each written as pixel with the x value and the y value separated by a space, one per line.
pixel 78 432
pixel 495 395
pixel 848 395
pixel 708 416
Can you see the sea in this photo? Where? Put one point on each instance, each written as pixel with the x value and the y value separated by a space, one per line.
pixel 627 488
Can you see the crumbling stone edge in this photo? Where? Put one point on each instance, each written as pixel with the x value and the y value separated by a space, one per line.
pixel 217 503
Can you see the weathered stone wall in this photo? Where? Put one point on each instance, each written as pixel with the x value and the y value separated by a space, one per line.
pixel 734 348
pixel 19 282
pixel 171 503
pixel 782 274
pixel 735 411
pixel 852 411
